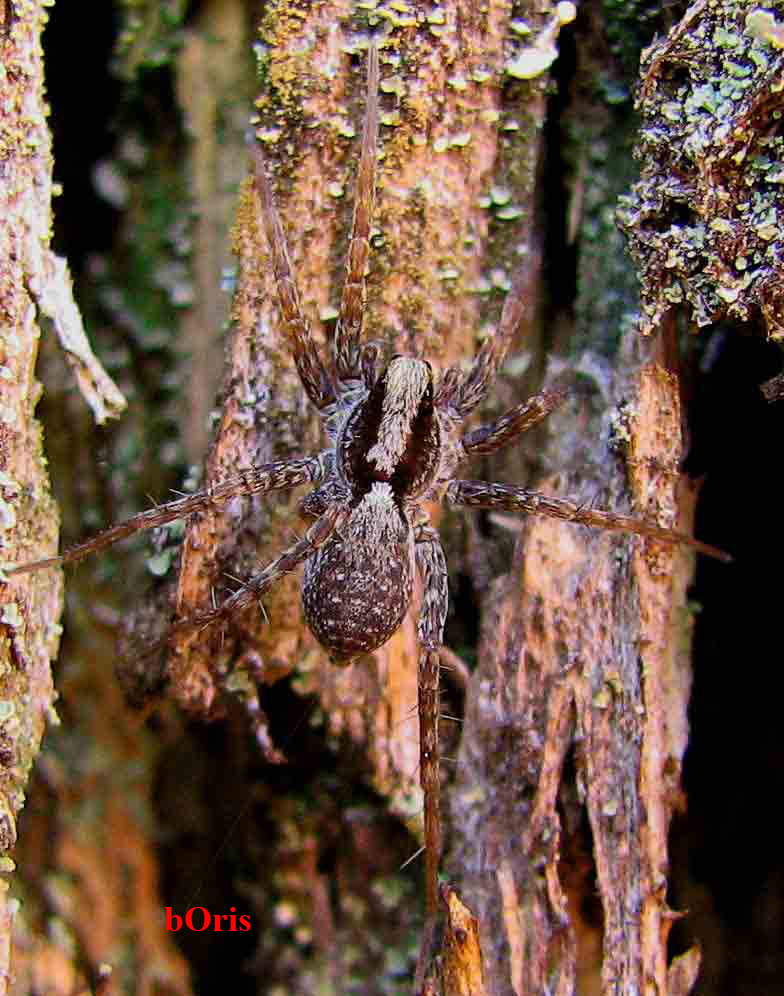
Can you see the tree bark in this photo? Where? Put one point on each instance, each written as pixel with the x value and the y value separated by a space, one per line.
pixel 30 609
pixel 572 700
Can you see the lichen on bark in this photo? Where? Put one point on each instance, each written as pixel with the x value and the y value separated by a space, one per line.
pixel 705 221
pixel 574 722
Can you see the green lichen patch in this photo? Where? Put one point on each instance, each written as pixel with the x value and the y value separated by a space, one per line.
pixel 150 34
pixel 705 222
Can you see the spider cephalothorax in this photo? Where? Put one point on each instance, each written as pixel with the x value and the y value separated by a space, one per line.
pixel 357 587
pixel 395 438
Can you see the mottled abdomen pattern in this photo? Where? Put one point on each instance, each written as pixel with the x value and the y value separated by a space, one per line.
pixel 354 600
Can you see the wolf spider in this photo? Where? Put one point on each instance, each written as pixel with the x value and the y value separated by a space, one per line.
pixel 395 440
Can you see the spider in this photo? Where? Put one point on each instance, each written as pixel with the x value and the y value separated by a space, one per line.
pixel 395 438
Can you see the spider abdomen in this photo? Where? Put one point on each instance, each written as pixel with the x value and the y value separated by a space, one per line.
pixel 353 608
pixel 357 587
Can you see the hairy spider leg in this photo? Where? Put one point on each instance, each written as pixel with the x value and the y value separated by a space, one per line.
pixel 352 303
pixel 318 534
pixel 507 427
pixel 371 355
pixel 274 476
pixel 483 494
pixel 463 393
pixel 312 372
pixel 433 571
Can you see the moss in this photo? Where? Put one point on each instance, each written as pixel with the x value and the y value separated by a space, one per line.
pixel 705 222
pixel 510 192
pixel 607 297
pixel 149 35
pixel 629 26
pixel 154 280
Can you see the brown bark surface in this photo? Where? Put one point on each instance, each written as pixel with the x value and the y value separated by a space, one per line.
pixel 28 630
pixel 565 720
pixel 94 895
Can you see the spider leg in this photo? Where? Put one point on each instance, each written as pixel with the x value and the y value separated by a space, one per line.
pixel 248 595
pixel 312 372
pixel 463 394
pixel 352 303
pixel 258 480
pixel 432 568
pixel 481 494
pixel 246 675
pixel 513 423
pixel 370 360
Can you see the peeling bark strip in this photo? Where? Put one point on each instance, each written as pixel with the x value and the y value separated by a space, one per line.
pixel 31 607
pixel 581 669
pixel 580 657
pixel 461 967
pixel 457 969
pixel 666 670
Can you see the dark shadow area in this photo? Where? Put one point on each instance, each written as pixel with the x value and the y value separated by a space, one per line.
pixel 728 867
pixel 556 181
pixel 108 133
pixel 302 849
pixel 76 79
pixel 204 826
pixel 201 776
